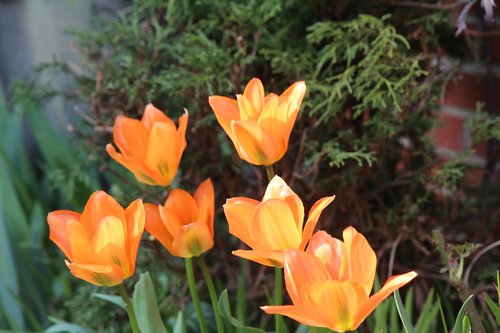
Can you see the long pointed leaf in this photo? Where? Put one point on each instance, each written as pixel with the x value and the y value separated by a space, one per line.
pixel 402 314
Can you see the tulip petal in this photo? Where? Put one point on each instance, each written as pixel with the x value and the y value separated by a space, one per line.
pixel 360 260
pixel 313 218
pixel 239 212
pixel 274 227
pixel 273 258
pixel 254 92
pixel 108 244
pixel 246 108
pixel 183 205
pixel 79 241
pixel 180 138
pixel 135 217
pixel 130 136
pixel 336 302
pixel 162 154
pixel 100 275
pixel 58 225
pixel 301 270
pixel 393 283
pixel 192 240
pixel 204 197
pixel 156 227
pixel 226 110
pixel 278 189
pixel 170 220
pixel 100 205
pixel 254 144
pixel 152 115
pixel 329 250
pixel 293 97
pixel 273 119
pixel 304 314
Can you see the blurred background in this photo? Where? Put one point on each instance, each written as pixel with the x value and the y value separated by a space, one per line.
pixel 401 121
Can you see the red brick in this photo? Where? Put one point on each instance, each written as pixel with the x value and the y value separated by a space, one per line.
pixel 450 133
pixel 467 89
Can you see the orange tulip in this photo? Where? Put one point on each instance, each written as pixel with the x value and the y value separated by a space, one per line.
pixel 274 225
pixel 184 225
pixel 100 243
pixel 150 148
pixel 330 283
pixel 259 125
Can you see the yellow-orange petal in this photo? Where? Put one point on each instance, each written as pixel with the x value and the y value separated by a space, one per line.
pixel 294 94
pixel 279 189
pixel 393 283
pixel 100 205
pixel 79 241
pixel 254 92
pixel 100 275
pixel 329 250
pixel 239 212
pixel 274 120
pixel 192 240
pixel 337 302
pixel 180 137
pixel 58 225
pixel 360 261
pixel 272 258
pixel 162 154
pixel 108 244
pixel 131 137
pixel 135 217
pixel 246 108
pixel 255 145
pixel 204 197
pixel 156 227
pixel 301 270
pixel 226 110
pixel 313 218
pixel 152 115
pixel 301 313
pixel 183 205
pixel 273 226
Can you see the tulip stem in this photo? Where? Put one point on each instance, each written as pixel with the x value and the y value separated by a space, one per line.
pixel 169 188
pixel 270 172
pixel 278 297
pixel 194 294
pixel 213 294
pixel 129 307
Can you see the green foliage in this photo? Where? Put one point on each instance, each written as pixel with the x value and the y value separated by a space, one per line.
pixel 451 173
pixel 483 126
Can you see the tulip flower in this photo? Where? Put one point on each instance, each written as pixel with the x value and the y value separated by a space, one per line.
pixel 259 125
pixel 184 225
pixel 150 148
pixel 100 243
pixel 330 283
pixel 274 225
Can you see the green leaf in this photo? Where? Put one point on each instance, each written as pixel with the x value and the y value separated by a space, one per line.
pixel 461 323
pixel 114 299
pixel 493 308
pixel 443 320
pixel 61 326
pixel 225 310
pixel 180 325
pixel 428 314
pixel 402 314
pixel 146 307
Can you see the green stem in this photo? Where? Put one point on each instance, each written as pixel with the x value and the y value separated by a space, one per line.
pixel 270 172
pixel 213 294
pixel 169 188
pixel 129 307
pixel 278 297
pixel 194 294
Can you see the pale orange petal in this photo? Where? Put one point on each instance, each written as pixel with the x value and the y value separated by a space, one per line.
pixel 329 250
pixel 136 219
pixel 131 137
pixel 273 119
pixel 255 145
pixel 204 197
pixel 278 189
pixel 58 225
pixel 79 241
pixel 108 245
pixel 192 240
pixel 180 138
pixel 226 110
pixel 303 314
pixel 152 115
pixel 239 212
pixel 100 275
pixel 301 270
pixel 313 218
pixel 293 98
pixel 100 205
pixel 273 226
pixel 246 108
pixel 170 220
pixel 183 205
pixel 254 92
pixel 360 260
pixel 273 258
pixel 156 227
pixel 393 283
pixel 162 153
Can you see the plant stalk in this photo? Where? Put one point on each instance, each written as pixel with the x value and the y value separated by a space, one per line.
pixel 270 172
pixel 278 297
pixel 213 294
pixel 194 294
pixel 129 307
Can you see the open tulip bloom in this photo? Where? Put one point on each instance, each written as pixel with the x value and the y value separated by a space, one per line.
pixel 330 283
pixel 184 225
pixel 259 125
pixel 100 243
pixel 150 148
pixel 274 225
